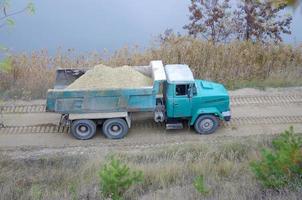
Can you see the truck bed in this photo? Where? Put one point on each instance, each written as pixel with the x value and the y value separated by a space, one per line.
pixel 66 101
pixel 131 100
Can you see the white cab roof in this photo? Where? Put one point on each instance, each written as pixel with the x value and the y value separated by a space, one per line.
pixel 179 74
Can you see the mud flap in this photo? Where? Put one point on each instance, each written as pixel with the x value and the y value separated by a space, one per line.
pixel 128 120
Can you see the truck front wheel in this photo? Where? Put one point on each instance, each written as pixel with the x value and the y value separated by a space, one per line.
pixel 83 129
pixel 206 124
pixel 115 128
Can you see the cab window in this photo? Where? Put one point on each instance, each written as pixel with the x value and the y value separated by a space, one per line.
pixel 181 90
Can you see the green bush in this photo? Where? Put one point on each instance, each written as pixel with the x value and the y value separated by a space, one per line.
pixel 6 65
pixel 200 186
pixel 36 192
pixel 281 165
pixel 116 178
pixel 72 187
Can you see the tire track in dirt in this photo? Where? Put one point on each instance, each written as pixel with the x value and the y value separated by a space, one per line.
pixel 265 99
pixel 34 108
pixel 250 120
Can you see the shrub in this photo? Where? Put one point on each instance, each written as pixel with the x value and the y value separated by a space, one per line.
pixel 200 186
pixel 281 165
pixel 116 178
pixel 6 65
pixel 36 192
pixel 72 190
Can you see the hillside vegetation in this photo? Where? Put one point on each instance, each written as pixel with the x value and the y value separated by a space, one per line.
pixel 220 169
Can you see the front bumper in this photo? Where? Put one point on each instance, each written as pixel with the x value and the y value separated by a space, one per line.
pixel 226 115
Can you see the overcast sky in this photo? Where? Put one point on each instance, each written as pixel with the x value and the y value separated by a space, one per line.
pixel 88 25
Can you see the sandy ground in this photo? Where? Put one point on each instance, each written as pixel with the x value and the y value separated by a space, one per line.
pixel 144 136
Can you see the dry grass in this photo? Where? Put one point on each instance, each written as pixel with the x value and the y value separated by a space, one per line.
pixel 32 74
pixel 60 177
pixel 237 64
pixel 168 173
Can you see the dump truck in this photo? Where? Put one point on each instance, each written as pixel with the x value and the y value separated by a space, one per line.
pixel 174 98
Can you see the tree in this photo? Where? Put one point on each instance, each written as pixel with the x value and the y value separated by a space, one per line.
pixel 281 165
pixel 210 19
pixel 6 13
pixel 116 178
pixel 257 20
pixel 261 20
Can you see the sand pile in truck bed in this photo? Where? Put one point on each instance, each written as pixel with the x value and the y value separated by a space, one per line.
pixel 105 77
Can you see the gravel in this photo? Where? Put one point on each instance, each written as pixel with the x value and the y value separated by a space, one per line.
pixel 105 77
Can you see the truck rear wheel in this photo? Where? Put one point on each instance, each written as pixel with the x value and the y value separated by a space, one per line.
pixel 206 124
pixel 83 129
pixel 115 128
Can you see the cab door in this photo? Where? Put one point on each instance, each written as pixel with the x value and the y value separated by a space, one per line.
pixel 182 102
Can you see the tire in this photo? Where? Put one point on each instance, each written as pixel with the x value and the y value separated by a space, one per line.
pixel 83 129
pixel 206 124
pixel 115 128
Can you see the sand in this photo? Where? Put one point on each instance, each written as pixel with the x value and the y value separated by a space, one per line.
pixel 105 77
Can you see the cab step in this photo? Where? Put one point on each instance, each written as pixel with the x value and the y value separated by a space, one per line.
pixel 177 125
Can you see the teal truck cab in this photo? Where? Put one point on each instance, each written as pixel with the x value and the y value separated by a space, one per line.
pixel 175 97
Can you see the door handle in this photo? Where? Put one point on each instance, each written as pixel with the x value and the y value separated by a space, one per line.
pixel 175 104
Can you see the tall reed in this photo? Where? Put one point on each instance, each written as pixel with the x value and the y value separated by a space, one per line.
pixel 235 64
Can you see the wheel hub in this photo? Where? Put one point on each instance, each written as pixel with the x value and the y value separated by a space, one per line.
pixel 83 128
pixel 207 124
pixel 115 128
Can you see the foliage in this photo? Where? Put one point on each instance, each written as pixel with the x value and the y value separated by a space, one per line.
pixel 200 186
pixel 6 65
pixel 261 21
pixel 7 13
pixel 36 191
pixel 116 178
pixel 210 19
pixel 281 165
pixel 256 20
pixel 31 8
pixel 73 191
pixel 292 3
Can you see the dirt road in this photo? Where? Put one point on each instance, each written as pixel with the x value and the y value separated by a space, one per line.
pixel 254 112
